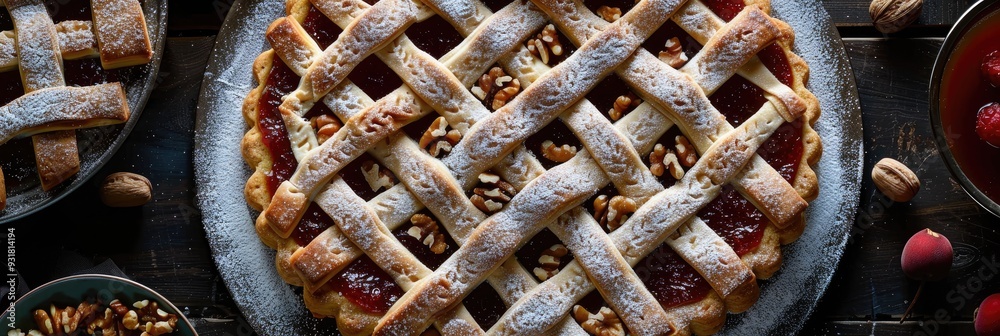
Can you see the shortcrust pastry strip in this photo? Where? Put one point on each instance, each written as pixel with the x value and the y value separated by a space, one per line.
pixel 505 284
pixel 762 185
pixel 649 226
pixel 122 42
pixel 41 66
pixel 496 135
pixel 63 107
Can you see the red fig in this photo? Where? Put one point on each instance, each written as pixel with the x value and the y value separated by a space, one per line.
pixel 987 317
pixel 927 256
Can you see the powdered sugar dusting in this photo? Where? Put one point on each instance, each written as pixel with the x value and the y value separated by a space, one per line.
pixel 40 61
pixel 76 38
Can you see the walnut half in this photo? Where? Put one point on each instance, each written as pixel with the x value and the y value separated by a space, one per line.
pixel 673 53
pixel 496 88
pixel 557 153
pixel 612 212
pixel 546 44
pixel 425 229
pixel 604 323
pixel 492 193
pixel 549 261
pixel 438 139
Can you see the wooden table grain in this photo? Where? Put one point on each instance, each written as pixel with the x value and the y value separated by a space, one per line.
pixel 164 244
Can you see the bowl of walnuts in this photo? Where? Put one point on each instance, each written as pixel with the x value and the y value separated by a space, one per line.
pixel 94 304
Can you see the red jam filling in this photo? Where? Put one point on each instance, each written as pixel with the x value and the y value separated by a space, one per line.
pixel 362 282
pixel 736 220
pixel 725 9
pixel 964 90
pixel 670 279
pixel 435 36
pixel 320 28
pixel 485 305
pixel 366 285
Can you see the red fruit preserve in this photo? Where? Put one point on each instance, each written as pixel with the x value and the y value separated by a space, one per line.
pixel 964 91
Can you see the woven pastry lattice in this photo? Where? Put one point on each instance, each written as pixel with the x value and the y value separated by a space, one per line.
pixel 438 183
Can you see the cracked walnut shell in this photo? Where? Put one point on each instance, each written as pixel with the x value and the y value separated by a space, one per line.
pixel 895 180
pixel 126 190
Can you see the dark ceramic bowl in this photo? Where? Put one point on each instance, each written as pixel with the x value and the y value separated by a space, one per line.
pixel 74 289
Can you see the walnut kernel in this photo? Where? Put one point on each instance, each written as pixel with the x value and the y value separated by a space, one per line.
pixel 604 323
pixel 612 212
pixel 685 152
pixel 425 229
pixel 673 54
pixel 557 154
pixel 546 43
pixel 377 177
pixel 439 139
pixel 549 261
pixel 895 180
pixel 492 193
pixel 610 14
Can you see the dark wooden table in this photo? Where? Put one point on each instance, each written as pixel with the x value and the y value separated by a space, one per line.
pixel 165 247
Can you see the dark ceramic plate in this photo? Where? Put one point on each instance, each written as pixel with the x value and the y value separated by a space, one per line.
pixel 275 308
pixel 97 145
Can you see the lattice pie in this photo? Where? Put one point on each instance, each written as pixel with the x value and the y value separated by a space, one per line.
pixel 58 77
pixel 525 167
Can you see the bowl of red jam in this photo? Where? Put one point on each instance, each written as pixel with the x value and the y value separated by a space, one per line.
pixel 965 102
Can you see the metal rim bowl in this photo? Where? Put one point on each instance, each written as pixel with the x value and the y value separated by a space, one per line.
pixel 974 14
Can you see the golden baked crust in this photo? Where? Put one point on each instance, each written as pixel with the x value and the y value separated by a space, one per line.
pixel 546 198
